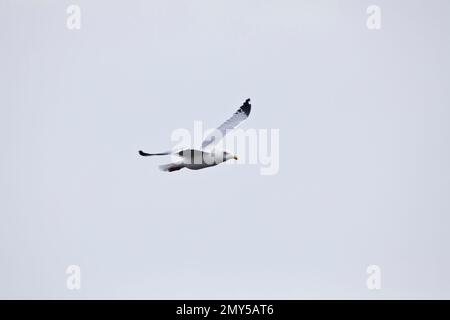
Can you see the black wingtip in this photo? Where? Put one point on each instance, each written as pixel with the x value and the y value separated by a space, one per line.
pixel 142 153
pixel 246 107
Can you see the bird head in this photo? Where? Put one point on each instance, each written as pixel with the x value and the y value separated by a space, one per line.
pixel 229 156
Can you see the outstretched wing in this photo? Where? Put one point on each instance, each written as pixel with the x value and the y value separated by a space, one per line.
pixel 145 154
pixel 240 115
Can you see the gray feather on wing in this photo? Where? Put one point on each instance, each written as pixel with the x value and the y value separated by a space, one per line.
pixel 240 115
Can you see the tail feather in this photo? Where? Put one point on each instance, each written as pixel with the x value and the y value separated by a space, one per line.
pixel 145 154
pixel 171 167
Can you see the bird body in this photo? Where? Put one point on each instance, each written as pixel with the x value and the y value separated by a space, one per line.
pixel 199 159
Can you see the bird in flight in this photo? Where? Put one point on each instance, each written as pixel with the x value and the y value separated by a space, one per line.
pixel 199 159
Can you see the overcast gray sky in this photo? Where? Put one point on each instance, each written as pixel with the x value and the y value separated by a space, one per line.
pixel 364 173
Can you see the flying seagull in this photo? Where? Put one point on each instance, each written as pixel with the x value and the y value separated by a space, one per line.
pixel 199 159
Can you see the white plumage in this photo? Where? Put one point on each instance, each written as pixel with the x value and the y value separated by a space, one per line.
pixel 199 159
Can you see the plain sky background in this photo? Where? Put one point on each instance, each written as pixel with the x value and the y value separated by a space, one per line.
pixel 364 149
